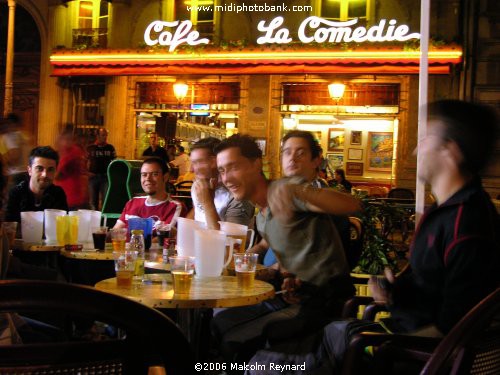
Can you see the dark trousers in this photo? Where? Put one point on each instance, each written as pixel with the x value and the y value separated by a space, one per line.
pixel 98 185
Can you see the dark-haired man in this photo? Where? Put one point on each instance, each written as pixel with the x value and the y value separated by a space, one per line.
pixel 211 200
pixel 155 149
pixel 455 254
pixel 39 192
pixel 157 203
pixel 294 221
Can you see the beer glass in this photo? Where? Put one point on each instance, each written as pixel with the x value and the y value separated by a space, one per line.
pixel 245 265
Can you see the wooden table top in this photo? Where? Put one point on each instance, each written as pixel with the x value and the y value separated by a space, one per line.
pixel 205 292
pixel 19 244
pixel 87 255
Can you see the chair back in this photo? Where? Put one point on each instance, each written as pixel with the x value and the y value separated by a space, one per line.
pixel 401 193
pixel 183 188
pixel 473 345
pixel 355 241
pixel 148 339
pixel 124 182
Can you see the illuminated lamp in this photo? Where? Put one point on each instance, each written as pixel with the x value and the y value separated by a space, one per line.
pixel 180 90
pixel 336 91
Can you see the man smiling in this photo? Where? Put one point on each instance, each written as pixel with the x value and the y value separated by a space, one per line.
pixel 157 203
pixel 39 192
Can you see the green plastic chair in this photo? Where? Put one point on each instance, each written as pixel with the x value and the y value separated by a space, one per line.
pixel 124 182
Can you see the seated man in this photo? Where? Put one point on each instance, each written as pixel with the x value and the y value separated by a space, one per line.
pixel 39 192
pixel 294 221
pixel 455 252
pixel 157 203
pixel 36 194
pixel 212 202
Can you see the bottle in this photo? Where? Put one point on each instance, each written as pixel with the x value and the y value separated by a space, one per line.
pixel 168 249
pixel 137 244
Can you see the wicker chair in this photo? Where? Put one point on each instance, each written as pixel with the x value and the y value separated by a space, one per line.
pixel 148 342
pixel 471 347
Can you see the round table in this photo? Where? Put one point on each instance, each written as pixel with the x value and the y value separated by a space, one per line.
pixel 87 267
pixel 205 292
pixel 87 255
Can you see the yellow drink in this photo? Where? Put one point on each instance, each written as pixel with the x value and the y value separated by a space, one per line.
pixel 118 245
pixel 124 278
pixel 182 281
pixel 73 229
pixel 139 267
pixel 61 229
pixel 245 279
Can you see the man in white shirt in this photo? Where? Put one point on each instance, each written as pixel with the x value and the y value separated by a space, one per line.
pixel 181 161
pixel 211 200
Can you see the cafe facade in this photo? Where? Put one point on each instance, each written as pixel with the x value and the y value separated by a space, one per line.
pixel 256 71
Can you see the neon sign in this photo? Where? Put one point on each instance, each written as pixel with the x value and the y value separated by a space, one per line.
pixel 182 34
pixel 319 30
pixel 312 29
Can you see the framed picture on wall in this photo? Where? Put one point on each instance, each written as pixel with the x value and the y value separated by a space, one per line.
pixel 380 149
pixel 261 142
pixel 356 137
pixel 355 154
pixel 336 140
pixel 354 169
pixel 335 160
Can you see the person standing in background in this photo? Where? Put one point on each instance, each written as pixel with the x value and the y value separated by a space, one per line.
pixel 72 174
pixel 181 161
pixel 14 147
pixel 99 154
pixel 155 149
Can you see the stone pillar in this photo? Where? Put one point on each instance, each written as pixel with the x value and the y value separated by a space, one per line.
pixel 52 90
pixel 9 64
pixel 116 119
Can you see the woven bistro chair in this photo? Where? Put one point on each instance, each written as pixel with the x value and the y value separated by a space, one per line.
pixel 148 342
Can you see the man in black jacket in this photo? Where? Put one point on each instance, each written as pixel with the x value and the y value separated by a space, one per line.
pixel 455 254
pixel 39 192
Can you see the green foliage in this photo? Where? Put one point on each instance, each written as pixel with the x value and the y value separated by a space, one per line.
pixel 378 251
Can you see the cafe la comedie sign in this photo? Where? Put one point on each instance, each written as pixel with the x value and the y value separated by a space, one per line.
pixel 312 29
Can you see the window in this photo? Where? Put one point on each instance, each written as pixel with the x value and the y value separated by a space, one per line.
pixel 92 23
pixel 200 12
pixel 343 10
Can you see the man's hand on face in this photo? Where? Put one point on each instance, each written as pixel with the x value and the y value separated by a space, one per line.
pixel 204 189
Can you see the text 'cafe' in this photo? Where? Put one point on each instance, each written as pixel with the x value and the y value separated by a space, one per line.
pixel 354 87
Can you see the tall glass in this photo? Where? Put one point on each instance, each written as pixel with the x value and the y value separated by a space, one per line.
pixel 124 267
pixel 182 269
pixel 73 222
pixel 118 238
pixel 62 223
pixel 245 265
pixel 9 230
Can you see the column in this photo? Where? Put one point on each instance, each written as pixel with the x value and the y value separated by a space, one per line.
pixel 9 64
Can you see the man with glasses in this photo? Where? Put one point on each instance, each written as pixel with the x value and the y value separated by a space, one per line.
pixel 211 200
pixel 157 203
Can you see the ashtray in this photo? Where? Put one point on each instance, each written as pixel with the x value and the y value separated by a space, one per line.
pixel 73 247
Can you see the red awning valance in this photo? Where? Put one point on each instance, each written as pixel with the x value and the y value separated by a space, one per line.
pixel 389 61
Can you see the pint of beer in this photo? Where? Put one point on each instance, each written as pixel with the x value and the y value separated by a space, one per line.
pixel 245 265
pixel 182 269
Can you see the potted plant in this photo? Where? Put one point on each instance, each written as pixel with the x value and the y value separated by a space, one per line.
pixel 379 251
